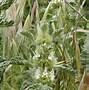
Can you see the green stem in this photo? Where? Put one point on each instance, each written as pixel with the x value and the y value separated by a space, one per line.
pixel 77 12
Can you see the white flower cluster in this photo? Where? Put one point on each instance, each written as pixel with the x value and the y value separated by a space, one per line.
pixel 52 75
pixel 37 73
pixel 52 57
pixel 45 73
pixel 36 55
pixel 56 1
pixel 70 1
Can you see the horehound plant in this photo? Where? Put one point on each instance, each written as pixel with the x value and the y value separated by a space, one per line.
pixel 41 49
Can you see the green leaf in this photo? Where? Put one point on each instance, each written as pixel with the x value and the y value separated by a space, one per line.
pixel 86 45
pixel 7 86
pixel 28 35
pixel 34 86
pixel 88 25
pixel 4 22
pixel 5 4
pixel 68 69
pixel 14 61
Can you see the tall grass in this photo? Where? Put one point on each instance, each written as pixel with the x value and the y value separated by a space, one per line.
pixel 42 49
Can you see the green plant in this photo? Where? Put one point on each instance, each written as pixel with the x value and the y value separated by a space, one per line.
pixel 42 44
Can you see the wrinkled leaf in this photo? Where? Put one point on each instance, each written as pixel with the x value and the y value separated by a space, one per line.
pixel 5 4
pixel 4 22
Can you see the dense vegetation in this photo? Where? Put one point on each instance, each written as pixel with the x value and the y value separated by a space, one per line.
pixel 43 44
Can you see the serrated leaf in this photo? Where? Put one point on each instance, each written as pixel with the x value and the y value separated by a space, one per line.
pixel 5 4
pixel 35 86
pixel 4 22
pixel 66 68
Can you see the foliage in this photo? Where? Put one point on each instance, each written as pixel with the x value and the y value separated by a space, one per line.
pixel 43 44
